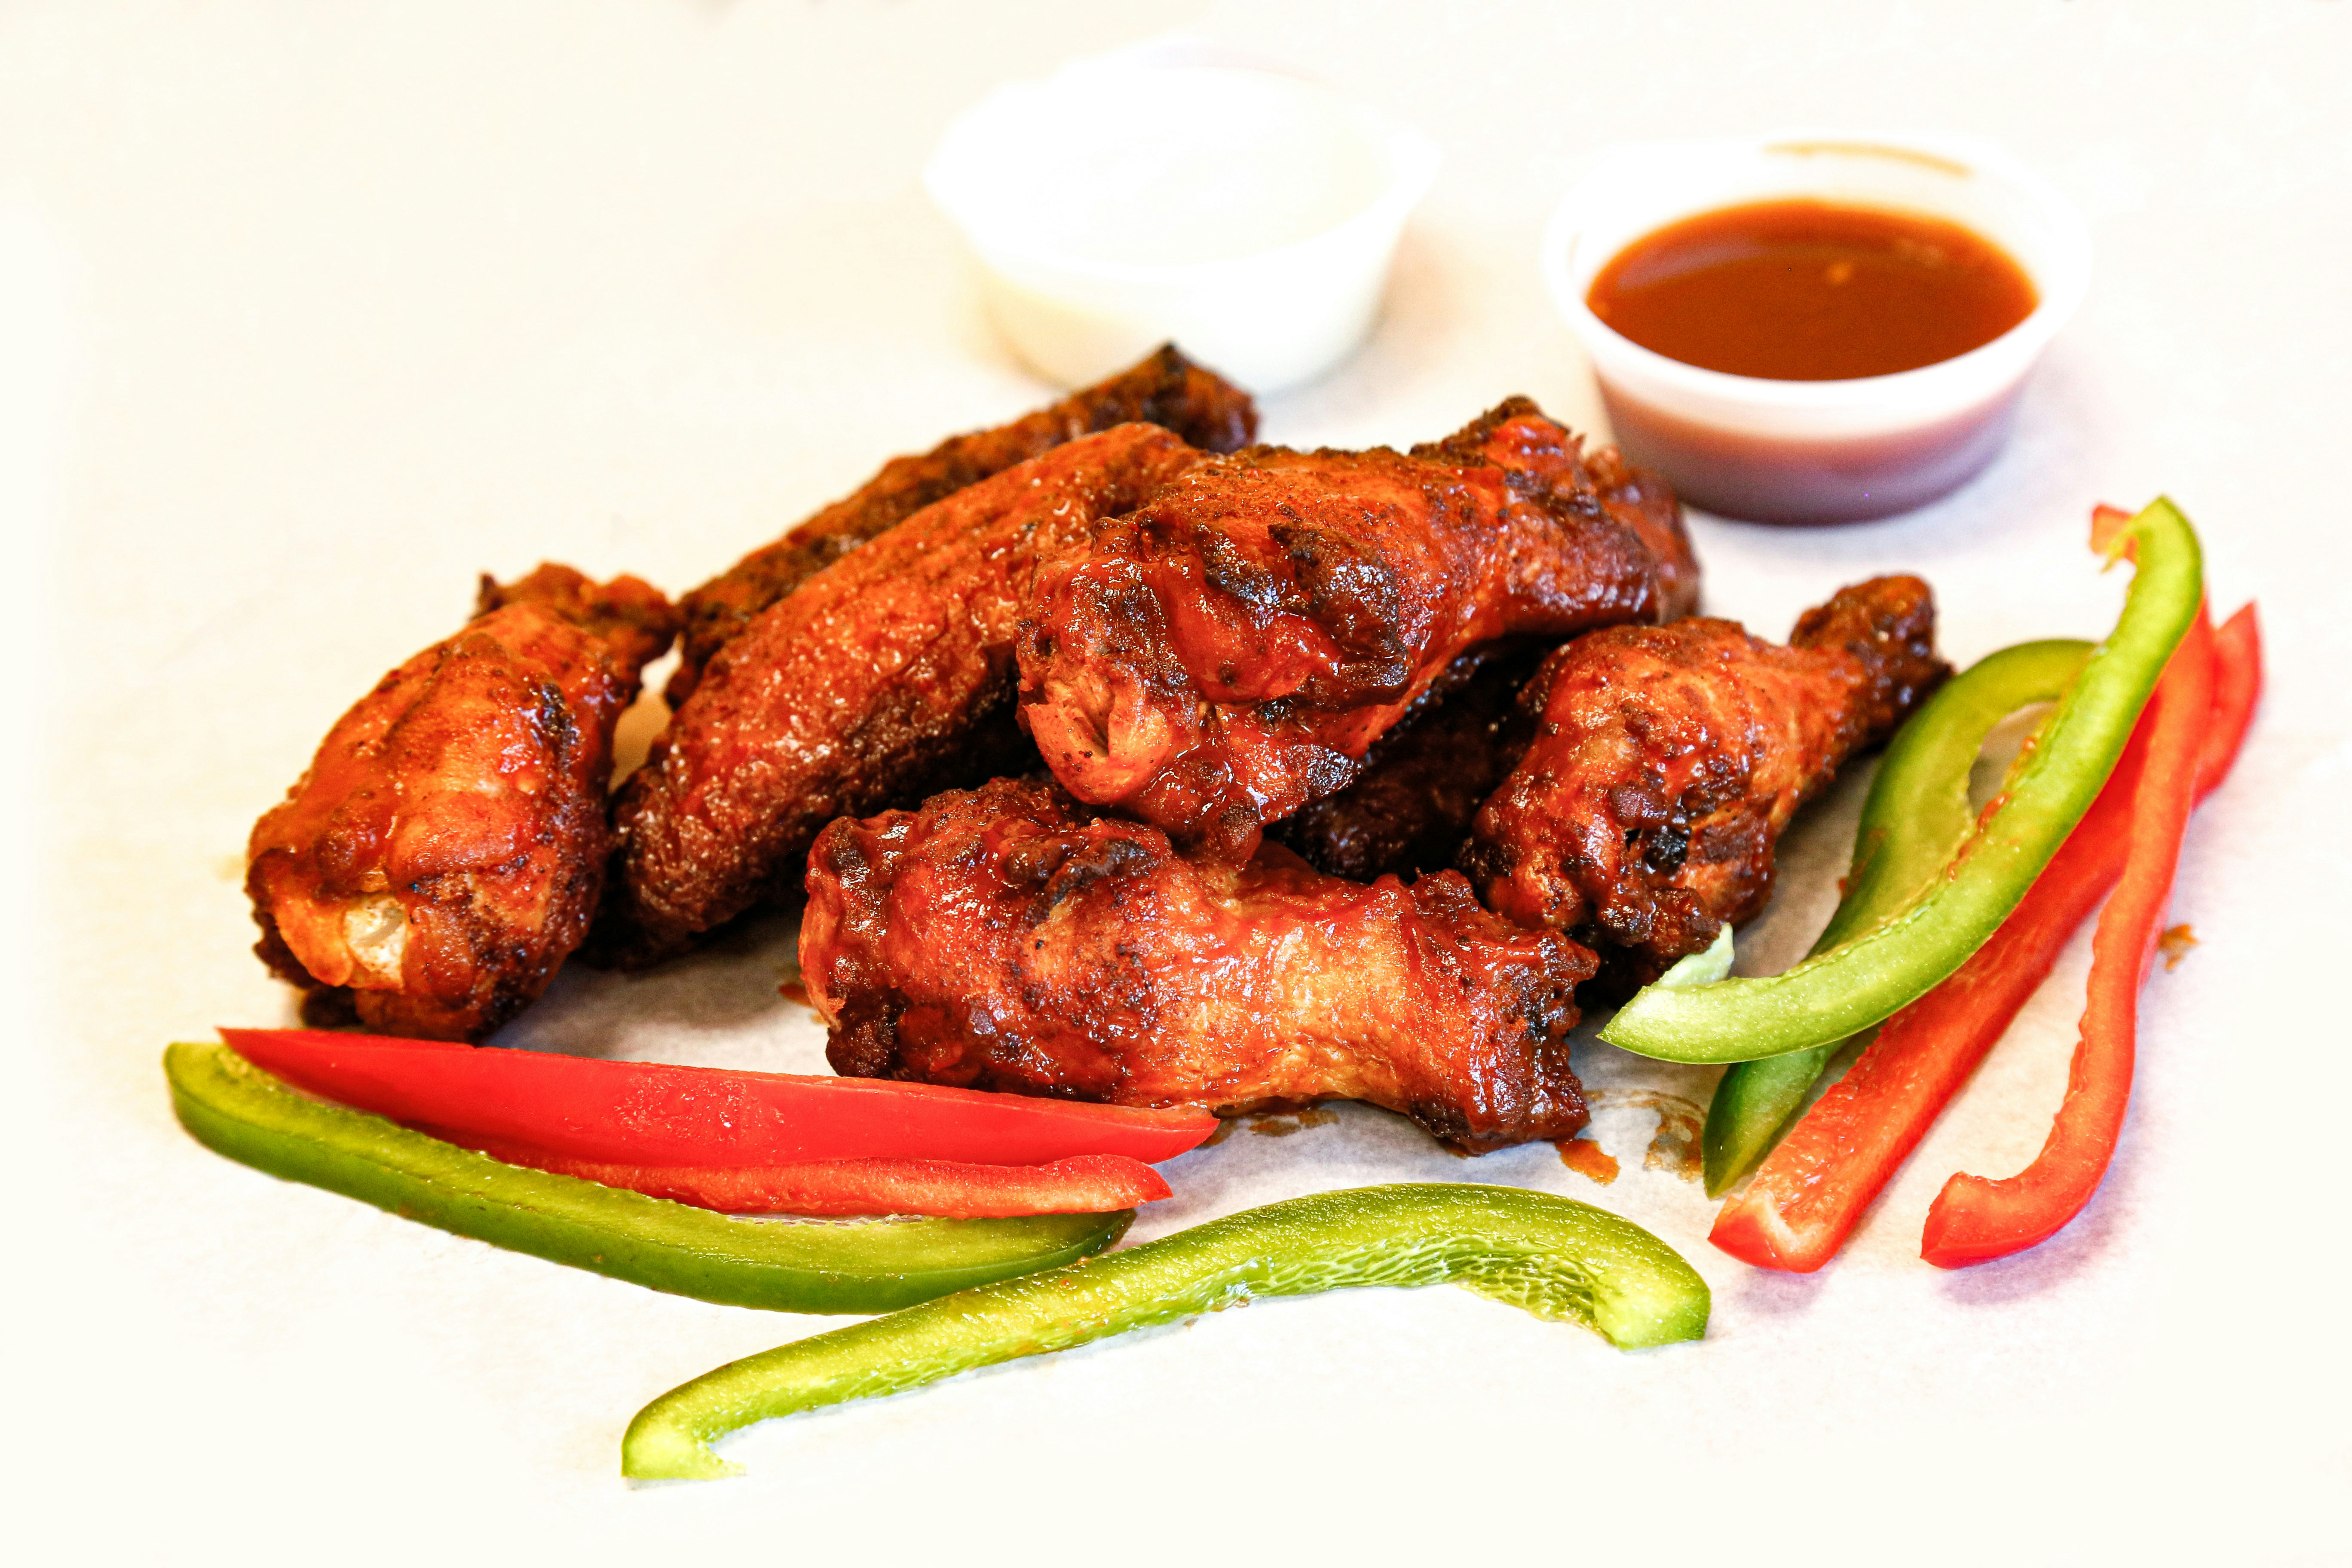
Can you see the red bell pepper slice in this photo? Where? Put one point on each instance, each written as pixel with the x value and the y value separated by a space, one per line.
pixel 654 1114
pixel 1807 1196
pixel 946 1189
pixel 1974 1220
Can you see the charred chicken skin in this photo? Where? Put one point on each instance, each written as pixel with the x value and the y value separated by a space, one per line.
pixel 1228 651
pixel 443 853
pixel 876 682
pixel 1423 782
pixel 1009 939
pixel 1165 389
pixel 1668 759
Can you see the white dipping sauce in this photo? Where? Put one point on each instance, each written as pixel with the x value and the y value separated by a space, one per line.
pixel 1207 165
pixel 1247 215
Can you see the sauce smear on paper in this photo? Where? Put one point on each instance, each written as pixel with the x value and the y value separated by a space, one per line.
pixel 1587 1158
pixel 1811 291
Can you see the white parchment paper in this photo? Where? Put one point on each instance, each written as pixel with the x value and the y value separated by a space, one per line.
pixel 312 313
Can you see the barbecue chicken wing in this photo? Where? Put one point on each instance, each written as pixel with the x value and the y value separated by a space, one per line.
pixel 1668 759
pixel 1423 782
pixel 873 684
pixel 1166 389
pixel 1009 939
pixel 444 852
pixel 1227 652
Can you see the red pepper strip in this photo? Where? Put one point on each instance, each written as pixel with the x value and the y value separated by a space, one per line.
pixel 657 1114
pixel 1974 1220
pixel 1808 1195
pixel 2237 686
pixel 945 1189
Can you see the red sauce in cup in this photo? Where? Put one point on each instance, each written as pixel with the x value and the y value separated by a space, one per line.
pixel 1811 291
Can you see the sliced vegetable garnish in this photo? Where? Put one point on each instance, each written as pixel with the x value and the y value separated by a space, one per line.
pixel 1974 1220
pixel 239 1111
pixel 1915 821
pixel 654 1113
pixel 951 1189
pixel 1808 1197
pixel 1552 1257
pixel 1869 977
pixel 1703 968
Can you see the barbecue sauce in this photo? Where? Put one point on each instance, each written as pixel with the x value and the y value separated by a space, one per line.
pixel 1811 291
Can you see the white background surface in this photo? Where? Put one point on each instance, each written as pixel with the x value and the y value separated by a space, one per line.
pixel 309 313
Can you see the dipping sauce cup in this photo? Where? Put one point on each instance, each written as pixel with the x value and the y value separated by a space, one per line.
pixel 1245 213
pixel 1815 451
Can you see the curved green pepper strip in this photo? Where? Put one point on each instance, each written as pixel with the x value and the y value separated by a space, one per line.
pixel 235 1109
pixel 1915 820
pixel 1871 975
pixel 1552 1257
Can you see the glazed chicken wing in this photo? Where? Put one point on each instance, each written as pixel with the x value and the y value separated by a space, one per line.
pixel 1228 651
pixel 1009 939
pixel 1166 389
pixel 1668 759
pixel 1423 782
pixel 443 853
pixel 874 683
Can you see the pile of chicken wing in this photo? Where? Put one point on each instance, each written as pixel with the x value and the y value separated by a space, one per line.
pixel 1118 759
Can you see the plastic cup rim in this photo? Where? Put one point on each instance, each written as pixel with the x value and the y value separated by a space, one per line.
pixel 2062 286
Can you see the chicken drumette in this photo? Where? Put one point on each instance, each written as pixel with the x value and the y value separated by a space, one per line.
pixel 1011 938
pixel 1228 651
pixel 441 856
pixel 1166 389
pixel 1668 759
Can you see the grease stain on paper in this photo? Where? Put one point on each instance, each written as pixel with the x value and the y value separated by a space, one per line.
pixel 1675 1147
pixel 1587 1158
pixel 1283 1126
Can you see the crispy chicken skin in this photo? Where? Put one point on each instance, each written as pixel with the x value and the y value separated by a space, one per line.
pixel 1009 939
pixel 873 684
pixel 443 853
pixel 1668 759
pixel 631 618
pixel 1228 651
pixel 1642 502
pixel 1423 782
pixel 1165 389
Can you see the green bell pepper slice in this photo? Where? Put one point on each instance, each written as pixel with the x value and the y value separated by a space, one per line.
pixel 237 1110
pixel 1878 971
pixel 1552 1257
pixel 1915 820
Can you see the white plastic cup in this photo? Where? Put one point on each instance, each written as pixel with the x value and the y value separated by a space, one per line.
pixel 1815 451
pixel 1266 267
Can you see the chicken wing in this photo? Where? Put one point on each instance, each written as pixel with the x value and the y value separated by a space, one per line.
pixel 443 853
pixel 1228 652
pixel 1009 939
pixel 1423 782
pixel 869 686
pixel 1166 389
pixel 1669 759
